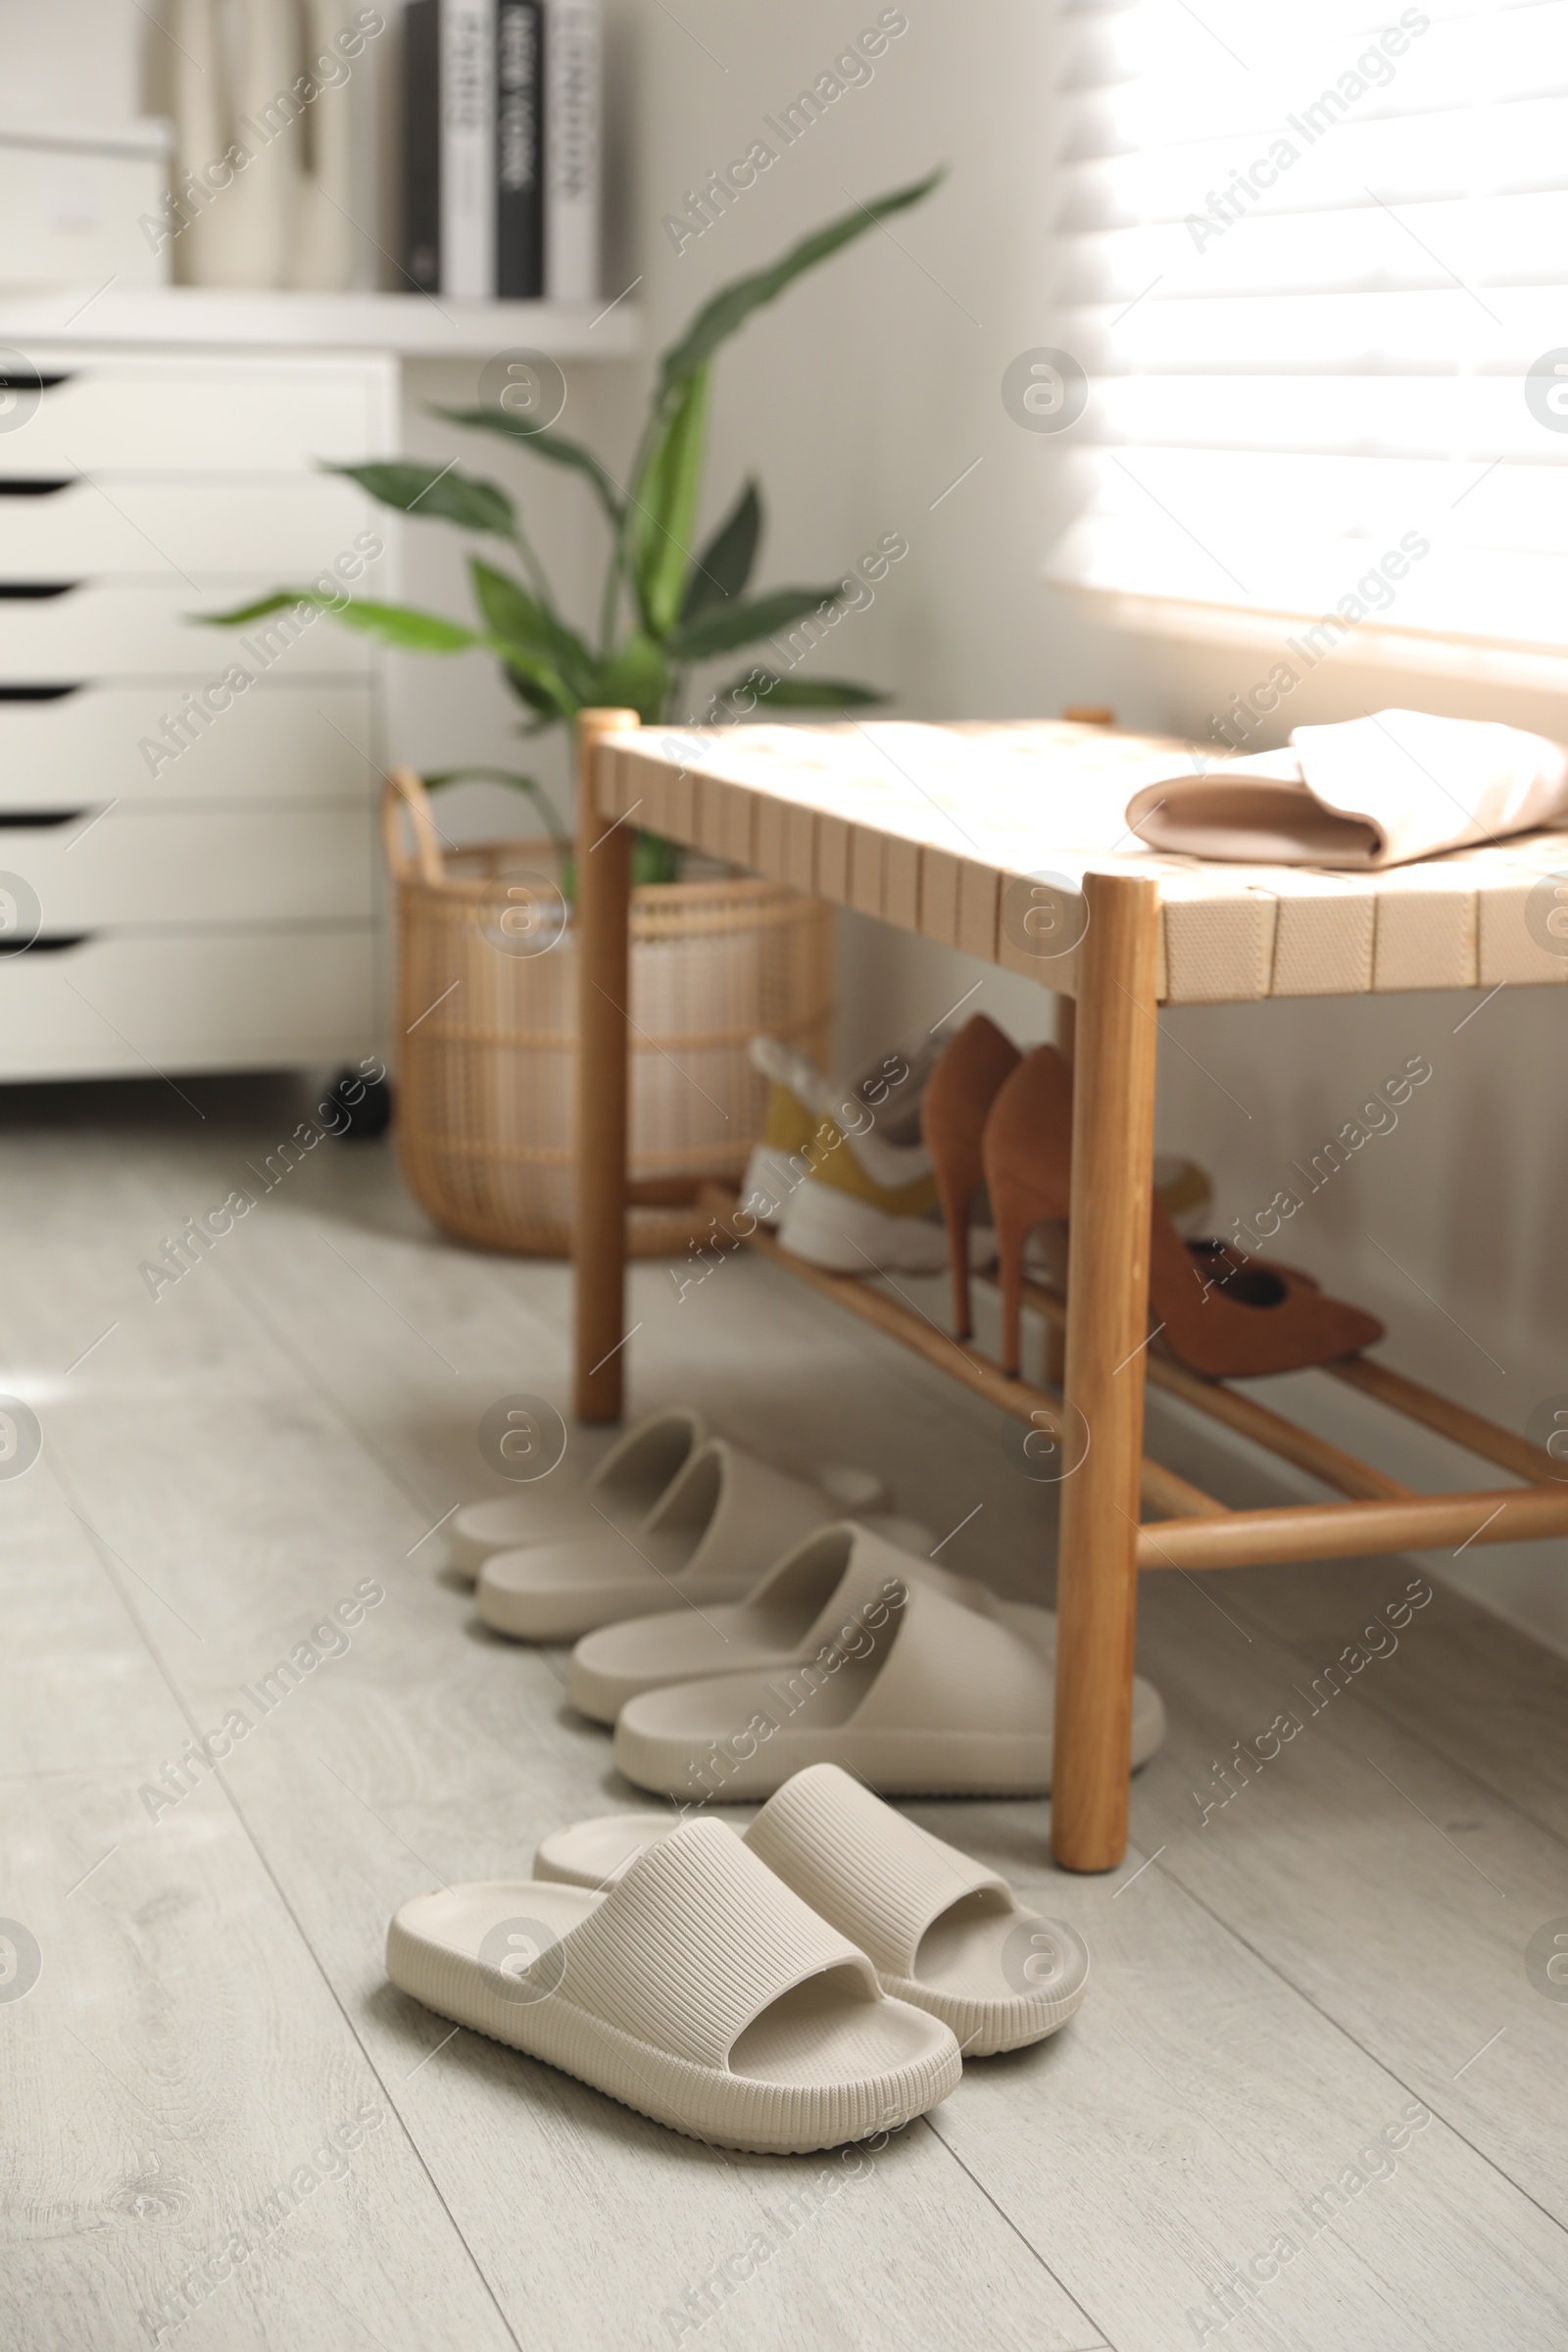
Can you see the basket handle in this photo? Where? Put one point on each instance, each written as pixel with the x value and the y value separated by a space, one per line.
pixel 404 790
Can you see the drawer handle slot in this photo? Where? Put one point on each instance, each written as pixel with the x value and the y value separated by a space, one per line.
pixel 29 379
pixel 36 592
pixel 22 485
pixel 53 943
pixel 40 694
pixel 42 820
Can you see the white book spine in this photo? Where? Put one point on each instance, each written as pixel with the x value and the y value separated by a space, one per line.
pixel 574 148
pixel 467 148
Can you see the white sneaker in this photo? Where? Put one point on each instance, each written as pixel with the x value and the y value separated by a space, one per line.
pixel 844 1234
pixel 875 1113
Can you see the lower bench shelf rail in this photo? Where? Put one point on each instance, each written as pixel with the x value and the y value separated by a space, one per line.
pixel 1195 1530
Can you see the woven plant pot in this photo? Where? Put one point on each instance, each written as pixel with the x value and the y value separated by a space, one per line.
pixel 487 1030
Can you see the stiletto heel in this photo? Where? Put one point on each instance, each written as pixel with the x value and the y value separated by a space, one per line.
pixel 1012 1227
pixel 952 1115
pixel 1026 1152
pixel 955 1222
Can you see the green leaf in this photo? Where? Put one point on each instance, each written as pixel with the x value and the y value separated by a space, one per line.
pixel 725 626
pixel 563 665
pixel 665 498
pixel 800 694
pixel 439 493
pixel 535 678
pixel 654 859
pixel 724 566
pixel 537 681
pixel 559 447
pixel 394 624
pixel 241 613
pixel 734 304
pixel 544 703
pixel 636 677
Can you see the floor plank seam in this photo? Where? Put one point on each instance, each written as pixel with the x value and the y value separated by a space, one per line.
pixel 302 1365
pixel 336 1998
pixel 1471 1772
pixel 171 1685
pixel 1101 2342
pixel 1344 2032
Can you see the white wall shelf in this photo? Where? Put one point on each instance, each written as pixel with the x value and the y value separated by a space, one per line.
pixel 413 326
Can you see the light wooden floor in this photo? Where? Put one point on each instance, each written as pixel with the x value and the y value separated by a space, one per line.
pixel 1344 1942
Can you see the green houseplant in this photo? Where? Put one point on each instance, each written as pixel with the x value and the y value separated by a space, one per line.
pixel 662 610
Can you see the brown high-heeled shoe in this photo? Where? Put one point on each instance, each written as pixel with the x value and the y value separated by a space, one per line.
pixel 1226 1319
pixel 958 1094
pixel 1223 1265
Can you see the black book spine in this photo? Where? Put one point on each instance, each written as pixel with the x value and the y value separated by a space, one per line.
pixel 422 144
pixel 519 150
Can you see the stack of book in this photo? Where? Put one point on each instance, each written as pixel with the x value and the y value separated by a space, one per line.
pixel 501 148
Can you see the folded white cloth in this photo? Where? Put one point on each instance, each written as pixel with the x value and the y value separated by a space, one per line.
pixel 1365 793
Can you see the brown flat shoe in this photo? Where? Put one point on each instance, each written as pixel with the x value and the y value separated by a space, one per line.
pixel 958 1094
pixel 1224 1316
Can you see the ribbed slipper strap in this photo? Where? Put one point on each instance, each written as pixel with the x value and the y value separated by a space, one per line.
pixel 654 1435
pixel 864 1551
pixel 877 1876
pixel 695 1942
pixel 940 1667
pixel 726 1501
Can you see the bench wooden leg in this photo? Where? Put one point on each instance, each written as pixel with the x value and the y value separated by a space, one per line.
pixel 1114 1053
pixel 603 918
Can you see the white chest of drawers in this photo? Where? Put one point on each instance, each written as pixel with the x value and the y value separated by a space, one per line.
pixel 186 813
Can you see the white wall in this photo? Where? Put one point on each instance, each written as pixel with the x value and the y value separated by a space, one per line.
pixel 77 60
pixel 860 399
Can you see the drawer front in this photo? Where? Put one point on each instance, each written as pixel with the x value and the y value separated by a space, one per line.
pixel 290 530
pixel 259 999
pixel 250 416
pixel 276 742
pixel 119 630
pixel 132 867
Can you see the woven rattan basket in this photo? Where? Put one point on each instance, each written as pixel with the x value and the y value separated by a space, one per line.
pixel 487 1029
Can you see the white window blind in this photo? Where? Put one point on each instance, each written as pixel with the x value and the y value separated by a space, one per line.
pixel 1312 257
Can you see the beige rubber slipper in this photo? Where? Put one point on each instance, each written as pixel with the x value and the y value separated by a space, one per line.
pixel 943 1932
pixel 625 1485
pixel 925 1699
pixel 725 1519
pixel 700 1990
pixel 791 1614
pixel 634 1476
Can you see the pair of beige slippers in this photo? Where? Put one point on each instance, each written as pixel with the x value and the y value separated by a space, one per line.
pixel 736 1628
pixel 814 1981
pixel 671 1514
